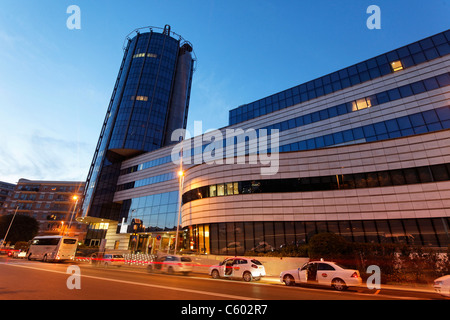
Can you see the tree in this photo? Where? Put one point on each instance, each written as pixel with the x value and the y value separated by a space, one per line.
pixel 23 228
pixel 328 246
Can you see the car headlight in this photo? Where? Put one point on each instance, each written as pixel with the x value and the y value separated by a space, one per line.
pixel 438 283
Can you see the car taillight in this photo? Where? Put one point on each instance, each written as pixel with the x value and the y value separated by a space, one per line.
pixel 355 275
pixel 254 266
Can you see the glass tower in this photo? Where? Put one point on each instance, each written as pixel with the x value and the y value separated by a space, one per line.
pixel 150 99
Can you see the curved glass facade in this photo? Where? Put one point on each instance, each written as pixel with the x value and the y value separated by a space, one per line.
pixel 145 108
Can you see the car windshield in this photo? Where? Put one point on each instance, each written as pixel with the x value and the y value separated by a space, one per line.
pixel 256 262
pixel 185 259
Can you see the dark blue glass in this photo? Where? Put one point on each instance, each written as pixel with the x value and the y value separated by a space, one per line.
pixel 307 119
pixel 406 91
pixel 380 128
pixel 310 144
pixel 342 109
pixel 348 135
pixel 338 137
pixel 416 120
pixel 358 133
pixel 392 125
pixel 394 94
pixel 430 116
pixel 443 113
pixel 418 87
pixel 369 131
pixel 323 114
pixel 382 97
pixel 319 141
pixel 333 112
pixel 328 139
pixel 443 79
pixel 315 116
pixel 420 129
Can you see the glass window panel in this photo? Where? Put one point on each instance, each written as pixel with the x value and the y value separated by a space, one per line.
pixel 372 179
pixel 384 178
pixel 424 174
pixel 431 84
pixel 427 232
pixel 394 94
pixel 360 180
pixel 439 172
pixel 289 231
pixel 443 79
pixel 249 236
pixel 358 133
pixel 259 237
pixel 443 113
pixel 370 231
pixel 384 233
pixel 406 91
pixel 300 232
pixel 240 238
pixel 397 232
pixel 404 122
pixel 441 230
pixel 212 191
pixel 382 97
pixel 412 232
pixel 345 230
pixel 418 87
pixel 397 177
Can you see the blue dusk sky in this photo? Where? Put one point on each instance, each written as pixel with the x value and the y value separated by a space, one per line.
pixel 56 83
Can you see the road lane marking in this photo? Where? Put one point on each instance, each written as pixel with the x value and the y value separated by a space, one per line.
pixel 222 295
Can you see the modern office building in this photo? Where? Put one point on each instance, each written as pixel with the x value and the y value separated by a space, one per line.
pixel 149 101
pixel 364 152
pixel 54 204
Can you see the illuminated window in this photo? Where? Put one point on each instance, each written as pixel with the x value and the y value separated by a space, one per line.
pixel 148 55
pixel 396 65
pixel 360 104
pixel 139 98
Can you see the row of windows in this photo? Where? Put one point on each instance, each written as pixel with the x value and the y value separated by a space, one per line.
pixel 156 212
pixel 385 178
pixel 147 181
pixel 238 238
pixel 422 122
pixel 413 54
pixel 366 102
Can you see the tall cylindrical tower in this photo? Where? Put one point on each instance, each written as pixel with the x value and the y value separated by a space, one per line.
pixel 150 100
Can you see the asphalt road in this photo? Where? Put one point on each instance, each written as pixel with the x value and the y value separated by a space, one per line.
pixel 31 280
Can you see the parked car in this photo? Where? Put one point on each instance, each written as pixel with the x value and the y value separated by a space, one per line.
pixel 442 285
pixel 171 264
pixel 323 273
pixel 238 268
pixel 110 259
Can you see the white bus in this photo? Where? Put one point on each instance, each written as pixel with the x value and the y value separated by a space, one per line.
pixel 52 248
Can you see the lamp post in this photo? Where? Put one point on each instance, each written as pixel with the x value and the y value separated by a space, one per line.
pixel 10 224
pixel 73 212
pixel 180 190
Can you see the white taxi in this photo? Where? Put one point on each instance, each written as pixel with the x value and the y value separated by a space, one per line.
pixel 323 273
pixel 442 285
pixel 238 268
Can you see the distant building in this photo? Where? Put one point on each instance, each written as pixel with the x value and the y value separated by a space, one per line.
pixel 6 191
pixel 51 203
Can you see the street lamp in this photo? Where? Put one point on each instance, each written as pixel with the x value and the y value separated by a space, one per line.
pixel 75 197
pixel 180 190
pixel 10 224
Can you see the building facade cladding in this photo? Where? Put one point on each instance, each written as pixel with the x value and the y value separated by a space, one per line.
pixel 144 109
pixel 347 165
